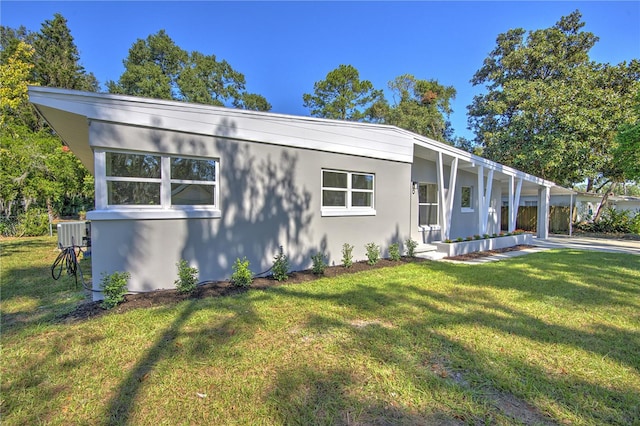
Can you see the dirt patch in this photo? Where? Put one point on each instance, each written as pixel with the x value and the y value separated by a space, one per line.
pixel 221 288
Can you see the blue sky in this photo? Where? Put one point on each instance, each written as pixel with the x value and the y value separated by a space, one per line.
pixel 282 48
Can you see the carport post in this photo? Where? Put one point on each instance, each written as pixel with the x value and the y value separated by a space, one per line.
pixel 544 196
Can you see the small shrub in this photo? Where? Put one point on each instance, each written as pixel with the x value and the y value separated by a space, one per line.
pixel 411 247
pixel 187 277
pixel 242 275
pixel 494 235
pixel 486 236
pixel 347 255
pixel 373 253
pixel 477 237
pixel 280 267
pixel 114 287
pixel 33 223
pixel 459 239
pixel 448 241
pixel 319 264
pixel 394 252
pixel 468 239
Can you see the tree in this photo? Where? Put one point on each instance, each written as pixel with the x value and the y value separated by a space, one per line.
pixel 342 95
pixel 421 106
pixel 57 62
pixel 549 110
pixel 15 73
pixel 37 170
pixel 158 68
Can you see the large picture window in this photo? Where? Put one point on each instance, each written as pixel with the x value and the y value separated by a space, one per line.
pixel 154 181
pixel 345 193
pixel 427 204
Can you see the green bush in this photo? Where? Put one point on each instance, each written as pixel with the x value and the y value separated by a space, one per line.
pixel 347 255
pixel 394 251
pixel 280 267
pixel 373 253
pixel 8 226
pixel 242 275
pixel 187 277
pixel 114 287
pixel 614 221
pixel 319 264
pixel 411 247
pixel 32 223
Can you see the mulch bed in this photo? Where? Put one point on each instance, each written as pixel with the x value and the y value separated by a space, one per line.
pixel 221 288
pixel 225 288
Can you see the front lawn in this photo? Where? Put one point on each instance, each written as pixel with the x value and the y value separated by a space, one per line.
pixel 546 338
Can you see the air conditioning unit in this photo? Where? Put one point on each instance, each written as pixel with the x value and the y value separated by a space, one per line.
pixel 76 234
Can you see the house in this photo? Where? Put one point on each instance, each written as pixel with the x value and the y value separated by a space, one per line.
pixel 209 185
pixel 586 204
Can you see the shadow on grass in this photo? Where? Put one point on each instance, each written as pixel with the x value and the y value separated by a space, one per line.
pixel 520 383
pixel 121 405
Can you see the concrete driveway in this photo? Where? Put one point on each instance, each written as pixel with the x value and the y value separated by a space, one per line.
pixel 586 243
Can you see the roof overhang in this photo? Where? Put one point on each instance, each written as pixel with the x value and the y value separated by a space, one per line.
pixel 428 148
pixel 70 112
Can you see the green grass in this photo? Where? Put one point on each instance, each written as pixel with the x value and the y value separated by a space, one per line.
pixel 552 336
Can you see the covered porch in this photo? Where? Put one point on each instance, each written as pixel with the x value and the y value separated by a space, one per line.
pixel 456 194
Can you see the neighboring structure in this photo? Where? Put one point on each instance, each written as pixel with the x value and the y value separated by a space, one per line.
pixel 209 184
pixel 586 204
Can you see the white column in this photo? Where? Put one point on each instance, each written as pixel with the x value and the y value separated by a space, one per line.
pixel 453 174
pixel 544 196
pixel 445 202
pixel 484 213
pixel 480 197
pixel 514 201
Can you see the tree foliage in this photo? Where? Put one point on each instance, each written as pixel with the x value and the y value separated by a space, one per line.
pixel 158 68
pixel 36 169
pixel 549 110
pixel 15 72
pixel 421 106
pixel 342 95
pixel 626 154
pixel 57 61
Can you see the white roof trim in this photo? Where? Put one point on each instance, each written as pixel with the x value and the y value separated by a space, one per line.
pixel 345 137
pixel 361 139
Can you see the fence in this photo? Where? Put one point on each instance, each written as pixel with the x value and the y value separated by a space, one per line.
pixel 527 219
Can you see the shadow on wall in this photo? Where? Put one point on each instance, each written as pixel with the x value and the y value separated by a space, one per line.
pixel 263 206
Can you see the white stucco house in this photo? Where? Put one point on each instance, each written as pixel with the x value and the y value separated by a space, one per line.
pixel 209 184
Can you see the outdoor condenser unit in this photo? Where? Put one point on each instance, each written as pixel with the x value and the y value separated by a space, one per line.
pixel 74 234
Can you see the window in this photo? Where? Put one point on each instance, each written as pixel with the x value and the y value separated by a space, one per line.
pixel 154 182
pixel 466 198
pixel 193 182
pixel 427 204
pixel 347 193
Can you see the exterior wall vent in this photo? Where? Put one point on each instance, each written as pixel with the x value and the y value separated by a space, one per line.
pixel 74 234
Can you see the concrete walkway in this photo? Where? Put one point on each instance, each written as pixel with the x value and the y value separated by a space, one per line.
pixel 594 244
pixel 563 241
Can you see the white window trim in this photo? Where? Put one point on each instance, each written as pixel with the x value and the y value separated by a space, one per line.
pixel 165 210
pixel 429 227
pixel 467 209
pixel 349 210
